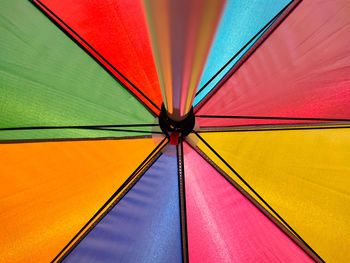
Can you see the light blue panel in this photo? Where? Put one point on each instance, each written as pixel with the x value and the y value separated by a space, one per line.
pixel 242 20
pixel 144 226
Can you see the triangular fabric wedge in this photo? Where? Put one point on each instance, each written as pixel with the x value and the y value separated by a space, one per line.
pixel 301 174
pixel 50 190
pixel 301 70
pixel 144 226
pixel 224 226
pixel 47 80
pixel 240 22
pixel 115 33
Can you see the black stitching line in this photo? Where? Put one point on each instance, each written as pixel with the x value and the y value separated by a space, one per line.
pixel 150 159
pixel 245 58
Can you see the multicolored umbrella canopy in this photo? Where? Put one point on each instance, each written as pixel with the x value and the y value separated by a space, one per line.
pixel 169 131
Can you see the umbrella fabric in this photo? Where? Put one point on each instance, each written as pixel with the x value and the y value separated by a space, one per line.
pixel 88 175
pixel 149 209
pixel 47 80
pixel 301 71
pixel 54 188
pixel 302 174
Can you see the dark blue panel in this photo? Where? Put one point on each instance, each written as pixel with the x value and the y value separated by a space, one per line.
pixel 144 226
pixel 241 21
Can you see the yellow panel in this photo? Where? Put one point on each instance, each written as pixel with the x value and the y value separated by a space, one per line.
pixel 303 174
pixel 50 190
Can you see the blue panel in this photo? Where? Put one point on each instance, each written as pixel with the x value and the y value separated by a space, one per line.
pixel 144 226
pixel 242 20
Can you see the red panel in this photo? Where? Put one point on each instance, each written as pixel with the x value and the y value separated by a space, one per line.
pixel 117 31
pixel 301 70
pixel 227 122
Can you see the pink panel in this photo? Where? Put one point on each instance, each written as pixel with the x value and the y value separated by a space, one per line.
pixel 301 70
pixel 223 226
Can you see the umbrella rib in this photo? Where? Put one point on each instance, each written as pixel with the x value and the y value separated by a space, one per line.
pixel 76 127
pixel 75 139
pixel 125 130
pixel 182 200
pixel 97 128
pixel 112 201
pixel 291 6
pixel 45 10
pixel 259 196
pixel 242 49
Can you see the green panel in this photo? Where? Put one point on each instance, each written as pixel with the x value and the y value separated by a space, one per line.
pixel 47 80
pixel 73 133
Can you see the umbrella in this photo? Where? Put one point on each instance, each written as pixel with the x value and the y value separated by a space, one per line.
pixel 169 131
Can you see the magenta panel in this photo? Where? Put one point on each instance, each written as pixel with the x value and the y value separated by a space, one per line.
pixel 224 226
pixel 301 70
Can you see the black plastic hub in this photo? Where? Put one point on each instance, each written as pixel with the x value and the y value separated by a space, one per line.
pixel 169 126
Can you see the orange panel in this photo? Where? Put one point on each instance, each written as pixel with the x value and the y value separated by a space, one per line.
pixel 50 190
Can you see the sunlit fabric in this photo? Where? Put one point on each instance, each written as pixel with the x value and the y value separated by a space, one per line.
pixel 302 174
pixel 301 70
pixel 241 21
pixel 224 226
pixel 181 33
pixel 51 189
pixel 120 37
pixel 144 226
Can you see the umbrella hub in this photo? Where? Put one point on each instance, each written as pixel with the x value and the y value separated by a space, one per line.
pixel 176 129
